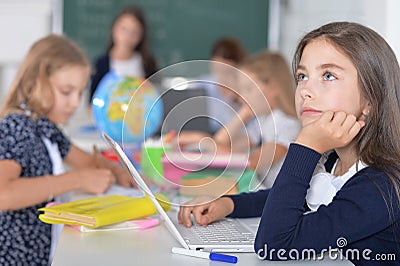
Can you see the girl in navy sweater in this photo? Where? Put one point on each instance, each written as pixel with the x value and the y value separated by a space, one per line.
pixel 339 185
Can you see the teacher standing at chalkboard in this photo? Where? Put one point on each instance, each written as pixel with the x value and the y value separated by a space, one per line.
pixel 128 52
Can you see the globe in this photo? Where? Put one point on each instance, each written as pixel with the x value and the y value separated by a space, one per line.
pixel 128 109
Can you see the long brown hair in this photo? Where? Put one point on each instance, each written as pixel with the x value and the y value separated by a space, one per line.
pixel 272 67
pixel 31 87
pixel 377 144
pixel 148 61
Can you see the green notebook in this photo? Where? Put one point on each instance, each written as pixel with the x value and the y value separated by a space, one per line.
pixel 246 179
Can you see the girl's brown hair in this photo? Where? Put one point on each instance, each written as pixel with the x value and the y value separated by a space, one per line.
pixel 149 63
pixel 377 144
pixel 230 49
pixel 271 66
pixel 31 87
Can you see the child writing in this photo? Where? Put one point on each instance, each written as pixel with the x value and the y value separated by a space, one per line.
pixel 225 52
pixel 347 99
pixel 46 92
pixel 128 51
pixel 267 91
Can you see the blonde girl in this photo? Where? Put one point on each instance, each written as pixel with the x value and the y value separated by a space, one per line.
pixel 46 92
pixel 266 123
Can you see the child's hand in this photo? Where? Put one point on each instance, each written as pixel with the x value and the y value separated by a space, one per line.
pixel 205 210
pixel 96 181
pixel 189 137
pixel 123 177
pixel 331 130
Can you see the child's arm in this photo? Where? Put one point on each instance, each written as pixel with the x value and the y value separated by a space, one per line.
pixel 234 126
pixel 284 225
pixel 231 131
pixel 80 159
pixel 255 104
pixel 358 210
pixel 205 142
pixel 207 209
pixel 266 155
pixel 187 138
pixel 224 138
pixel 20 192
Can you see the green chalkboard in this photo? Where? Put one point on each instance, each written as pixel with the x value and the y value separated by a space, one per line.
pixel 179 29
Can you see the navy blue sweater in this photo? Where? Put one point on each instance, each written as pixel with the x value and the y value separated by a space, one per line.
pixel 363 216
pixel 102 66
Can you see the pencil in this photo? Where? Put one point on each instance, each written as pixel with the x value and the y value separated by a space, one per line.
pixel 95 156
pixel 169 136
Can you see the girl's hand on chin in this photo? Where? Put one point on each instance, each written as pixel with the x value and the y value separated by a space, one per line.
pixel 331 130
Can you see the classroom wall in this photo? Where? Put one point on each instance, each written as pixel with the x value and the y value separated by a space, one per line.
pixel 392 22
pixel 300 16
pixel 21 23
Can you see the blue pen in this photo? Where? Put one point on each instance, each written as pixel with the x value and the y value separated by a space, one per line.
pixel 205 255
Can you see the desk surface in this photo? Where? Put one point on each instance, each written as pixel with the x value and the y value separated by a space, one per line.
pixel 147 247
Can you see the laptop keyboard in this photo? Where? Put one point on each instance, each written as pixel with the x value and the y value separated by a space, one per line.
pixel 224 231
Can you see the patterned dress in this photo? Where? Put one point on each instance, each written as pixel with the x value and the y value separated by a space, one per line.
pixel 24 239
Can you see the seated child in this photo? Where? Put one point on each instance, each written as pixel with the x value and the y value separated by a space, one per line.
pixel 226 55
pixel 266 119
pixel 46 92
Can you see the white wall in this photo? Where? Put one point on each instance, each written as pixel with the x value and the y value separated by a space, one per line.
pixel 300 16
pixel 22 22
pixel 392 23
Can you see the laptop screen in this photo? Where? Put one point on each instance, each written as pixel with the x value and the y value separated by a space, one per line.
pixel 143 186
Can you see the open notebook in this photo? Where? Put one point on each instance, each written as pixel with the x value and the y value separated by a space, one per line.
pixel 227 235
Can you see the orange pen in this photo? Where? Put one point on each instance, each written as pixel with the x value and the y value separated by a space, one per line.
pixel 169 136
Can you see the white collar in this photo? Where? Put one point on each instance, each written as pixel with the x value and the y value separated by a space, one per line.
pixel 324 185
pixel 55 156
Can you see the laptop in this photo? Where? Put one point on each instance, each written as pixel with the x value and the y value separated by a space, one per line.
pixel 226 235
pixel 185 110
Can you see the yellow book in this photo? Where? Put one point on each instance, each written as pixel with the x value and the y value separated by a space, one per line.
pixel 101 211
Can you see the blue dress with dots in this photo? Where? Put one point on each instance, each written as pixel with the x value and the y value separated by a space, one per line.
pixel 24 239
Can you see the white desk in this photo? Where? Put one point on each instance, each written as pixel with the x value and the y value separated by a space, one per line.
pixel 148 247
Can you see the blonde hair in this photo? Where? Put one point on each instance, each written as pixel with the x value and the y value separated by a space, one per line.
pixel 31 87
pixel 272 67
